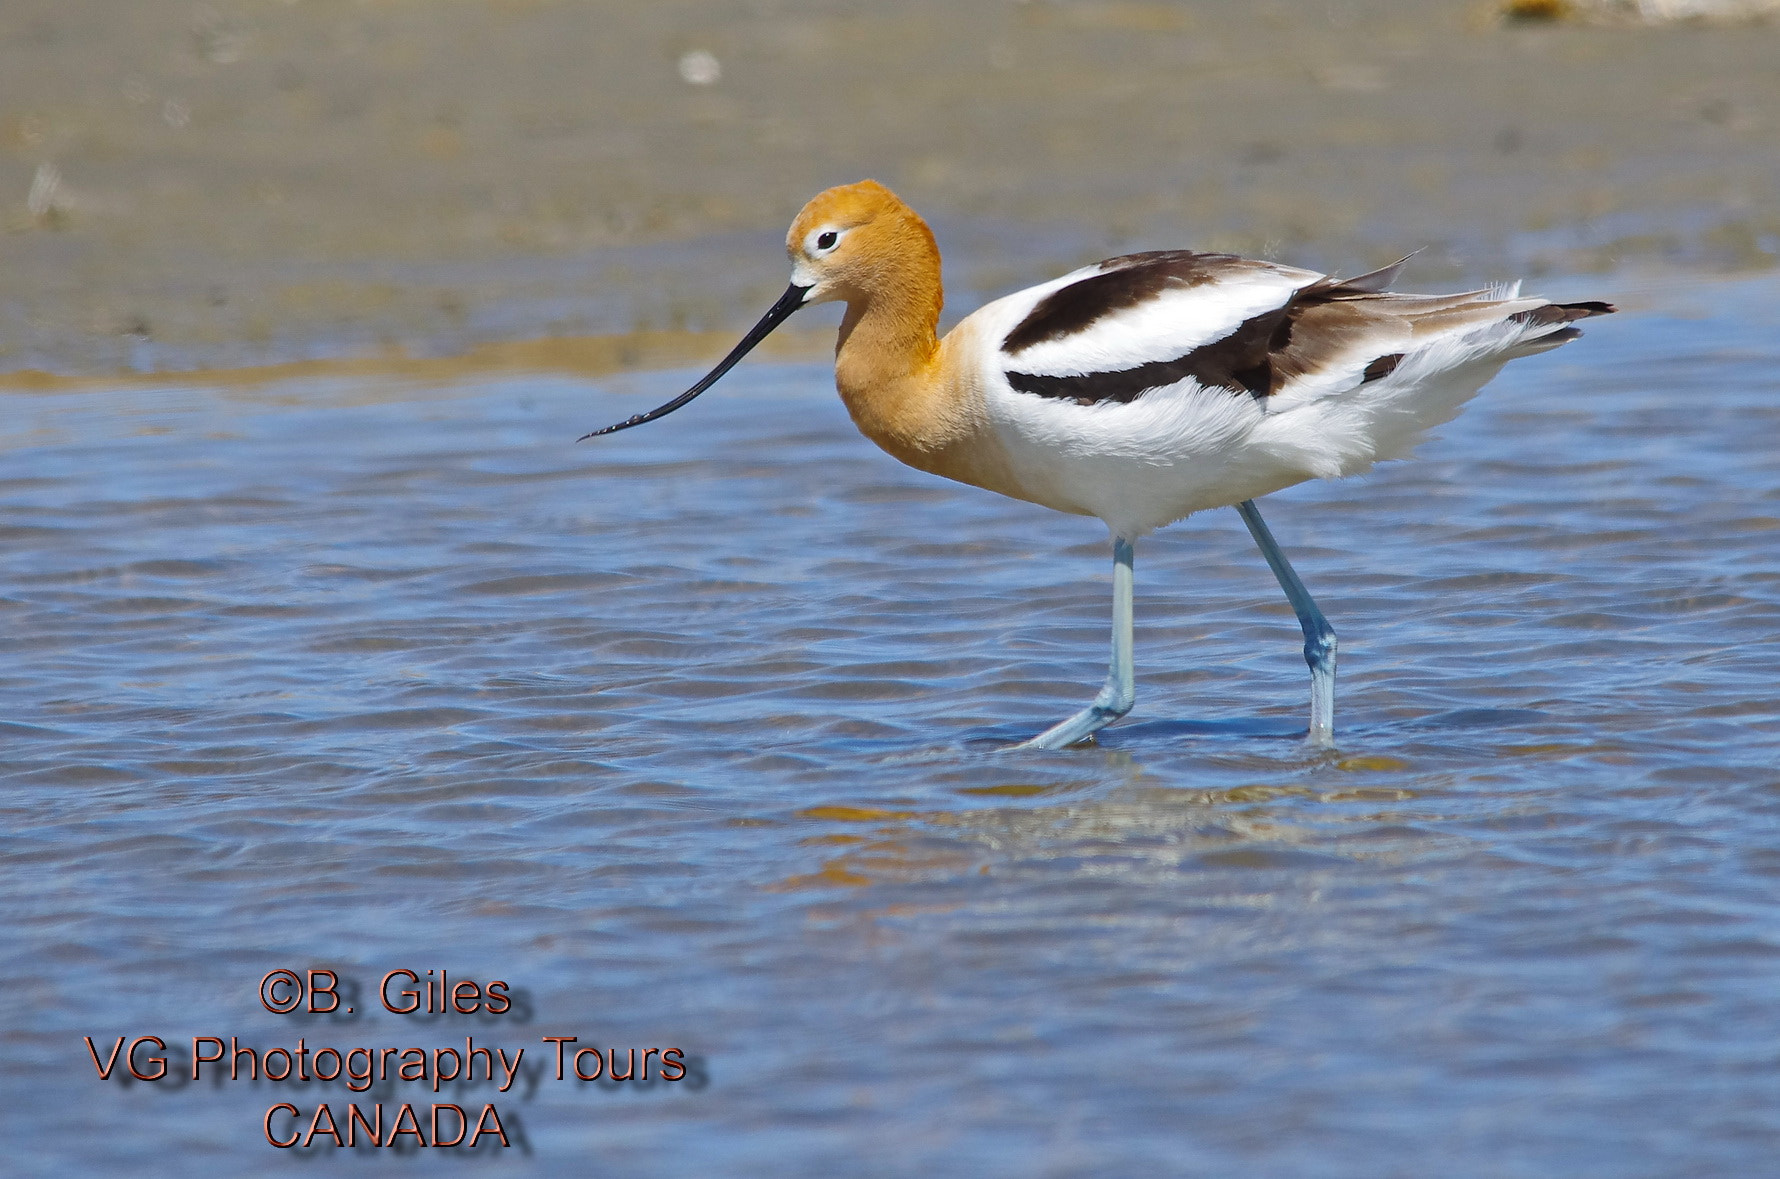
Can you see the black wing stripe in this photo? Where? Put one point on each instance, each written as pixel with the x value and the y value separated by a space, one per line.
pixel 1130 279
pixel 1238 362
pixel 1383 367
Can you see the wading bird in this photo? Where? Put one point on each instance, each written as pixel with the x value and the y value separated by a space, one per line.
pixel 1143 388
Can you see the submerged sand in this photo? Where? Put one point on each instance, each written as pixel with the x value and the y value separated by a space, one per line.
pixel 242 182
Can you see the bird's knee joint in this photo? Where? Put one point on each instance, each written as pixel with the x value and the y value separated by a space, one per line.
pixel 1115 702
pixel 1118 706
pixel 1319 649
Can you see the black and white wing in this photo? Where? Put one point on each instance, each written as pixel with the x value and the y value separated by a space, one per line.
pixel 1145 321
pixel 1113 332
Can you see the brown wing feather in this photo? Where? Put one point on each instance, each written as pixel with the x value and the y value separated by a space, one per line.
pixel 1325 329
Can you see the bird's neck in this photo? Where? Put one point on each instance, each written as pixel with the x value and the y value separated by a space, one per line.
pixel 886 363
pixel 910 392
pixel 883 345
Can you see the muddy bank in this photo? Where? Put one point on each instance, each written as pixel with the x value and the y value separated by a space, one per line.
pixel 245 183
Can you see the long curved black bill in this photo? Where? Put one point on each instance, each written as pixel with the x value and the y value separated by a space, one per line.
pixel 790 301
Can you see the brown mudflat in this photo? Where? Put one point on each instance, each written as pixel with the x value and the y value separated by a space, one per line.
pixel 247 183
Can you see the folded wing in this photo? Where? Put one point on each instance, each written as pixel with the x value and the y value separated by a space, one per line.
pixel 1112 333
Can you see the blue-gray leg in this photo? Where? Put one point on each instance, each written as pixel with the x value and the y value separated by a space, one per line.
pixel 1319 636
pixel 1120 692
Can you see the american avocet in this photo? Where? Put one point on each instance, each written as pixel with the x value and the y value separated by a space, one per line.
pixel 1144 388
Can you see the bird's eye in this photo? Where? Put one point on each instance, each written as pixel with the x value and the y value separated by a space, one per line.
pixel 826 240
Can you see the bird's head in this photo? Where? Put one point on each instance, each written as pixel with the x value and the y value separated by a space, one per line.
pixel 853 241
pixel 848 243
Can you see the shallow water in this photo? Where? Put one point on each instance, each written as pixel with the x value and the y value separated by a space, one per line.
pixel 691 735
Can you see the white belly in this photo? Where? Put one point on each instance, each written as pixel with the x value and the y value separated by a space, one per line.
pixel 1184 449
pixel 1141 465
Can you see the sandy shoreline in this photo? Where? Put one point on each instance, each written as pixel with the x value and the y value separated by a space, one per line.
pixel 258 183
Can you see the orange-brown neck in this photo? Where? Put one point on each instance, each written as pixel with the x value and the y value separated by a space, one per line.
pixel 891 328
pixel 887 361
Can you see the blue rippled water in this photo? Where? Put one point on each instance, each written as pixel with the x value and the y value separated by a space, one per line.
pixel 691 735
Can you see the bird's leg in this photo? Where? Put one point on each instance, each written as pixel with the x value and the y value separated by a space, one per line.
pixel 1120 692
pixel 1319 636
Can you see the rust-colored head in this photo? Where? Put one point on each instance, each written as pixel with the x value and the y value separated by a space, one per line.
pixel 859 241
pixel 860 244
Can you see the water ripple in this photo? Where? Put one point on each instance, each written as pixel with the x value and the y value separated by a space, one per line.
pixel 699 731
